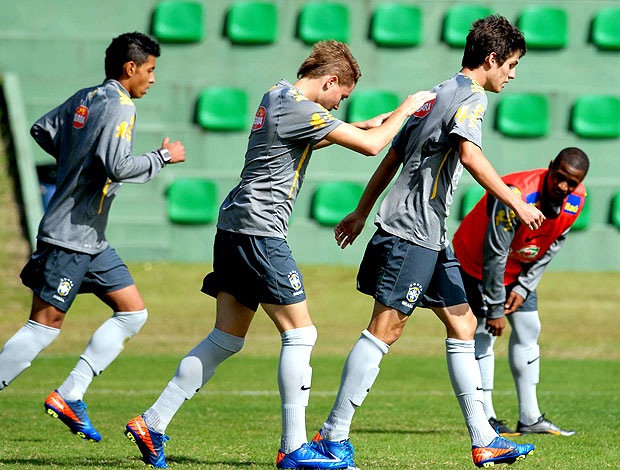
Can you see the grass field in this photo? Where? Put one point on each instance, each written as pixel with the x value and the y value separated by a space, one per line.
pixel 410 420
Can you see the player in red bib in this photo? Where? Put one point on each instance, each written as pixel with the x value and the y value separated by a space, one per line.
pixel 502 262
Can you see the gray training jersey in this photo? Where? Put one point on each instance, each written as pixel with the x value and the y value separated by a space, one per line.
pixel 418 204
pixel 90 136
pixel 286 128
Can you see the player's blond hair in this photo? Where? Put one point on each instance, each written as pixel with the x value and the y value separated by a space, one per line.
pixel 331 58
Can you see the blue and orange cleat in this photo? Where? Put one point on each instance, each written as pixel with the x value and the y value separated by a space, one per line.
pixel 73 414
pixel 342 450
pixel 500 450
pixel 307 457
pixel 151 443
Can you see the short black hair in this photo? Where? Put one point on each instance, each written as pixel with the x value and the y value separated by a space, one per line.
pixel 573 157
pixel 136 47
pixel 492 34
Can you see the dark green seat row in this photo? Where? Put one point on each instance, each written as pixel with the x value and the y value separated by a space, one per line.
pixel 392 25
pixel 195 201
pixel 518 115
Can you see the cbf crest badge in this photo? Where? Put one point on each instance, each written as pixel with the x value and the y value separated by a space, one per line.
pixel 414 292
pixel 64 287
pixel 294 279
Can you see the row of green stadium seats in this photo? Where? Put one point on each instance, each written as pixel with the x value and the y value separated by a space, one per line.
pixel 392 25
pixel 195 201
pixel 518 115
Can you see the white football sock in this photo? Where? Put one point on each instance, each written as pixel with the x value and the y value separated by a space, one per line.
pixel 467 385
pixel 358 375
pixel 194 370
pixel 486 362
pixel 21 349
pixel 524 358
pixel 294 380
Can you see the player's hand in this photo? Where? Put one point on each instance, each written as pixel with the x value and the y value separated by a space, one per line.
pixel 176 149
pixel 496 326
pixel 414 102
pixel 529 215
pixel 348 229
pixel 513 302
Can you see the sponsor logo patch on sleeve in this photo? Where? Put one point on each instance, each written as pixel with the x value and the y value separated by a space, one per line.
pixel 572 204
pixel 80 116
pixel 259 119
pixel 425 109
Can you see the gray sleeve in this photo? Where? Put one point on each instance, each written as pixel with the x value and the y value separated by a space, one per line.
pixel 115 144
pixel 46 131
pixel 532 273
pixel 304 120
pixel 466 122
pixel 501 230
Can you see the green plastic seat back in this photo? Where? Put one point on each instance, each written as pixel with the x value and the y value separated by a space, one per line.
pixel 544 27
pixel 192 201
pixel 596 116
pixel 471 197
pixel 222 109
pixel 323 20
pixel 178 21
pixel 615 210
pixel 368 104
pixel 606 29
pixel 523 115
pixel 458 21
pixel 583 221
pixel 396 25
pixel 334 200
pixel 252 23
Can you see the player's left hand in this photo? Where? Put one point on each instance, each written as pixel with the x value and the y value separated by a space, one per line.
pixel 513 302
pixel 348 229
pixel 496 326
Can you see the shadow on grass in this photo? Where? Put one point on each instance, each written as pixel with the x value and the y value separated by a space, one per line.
pixel 190 460
pixel 399 431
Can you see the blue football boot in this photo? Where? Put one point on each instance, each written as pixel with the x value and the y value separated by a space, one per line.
pixel 73 414
pixel 307 457
pixel 500 450
pixel 342 450
pixel 151 443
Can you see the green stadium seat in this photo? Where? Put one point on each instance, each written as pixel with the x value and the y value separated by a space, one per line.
pixel 192 201
pixel 523 115
pixel 323 20
pixel 458 20
pixel 596 116
pixel 334 200
pixel 544 27
pixel 222 109
pixel 615 210
pixel 396 25
pixel 177 21
pixel 252 23
pixel 583 221
pixel 471 197
pixel 368 104
pixel 606 29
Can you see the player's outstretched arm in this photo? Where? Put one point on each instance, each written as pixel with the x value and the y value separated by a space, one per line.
pixel 372 141
pixel 352 225
pixel 483 172
pixel 367 124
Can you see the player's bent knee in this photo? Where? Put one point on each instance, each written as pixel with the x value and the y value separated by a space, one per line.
pixel 132 322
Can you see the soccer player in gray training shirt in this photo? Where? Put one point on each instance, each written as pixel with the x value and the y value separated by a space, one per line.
pixel 408 261
pixel 252 262
pixel 90 136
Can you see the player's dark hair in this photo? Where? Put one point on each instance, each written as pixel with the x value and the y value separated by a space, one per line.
pixel 331 58
pixel 492 34
pixel 573 157
pixel 136 47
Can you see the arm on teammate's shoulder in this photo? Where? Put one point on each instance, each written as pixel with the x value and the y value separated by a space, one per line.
pixel 483 172
pixel 499 235
pixel 532 273
pixel 45 132
pixel 371 141
pixel 364 125
pixel 351 226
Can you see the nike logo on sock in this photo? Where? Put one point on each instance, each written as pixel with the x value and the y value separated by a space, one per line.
pixel 533 360
pixel 305 388
pixel 4 384
pixel 479 388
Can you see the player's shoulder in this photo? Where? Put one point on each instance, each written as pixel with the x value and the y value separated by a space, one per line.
pixel 114 95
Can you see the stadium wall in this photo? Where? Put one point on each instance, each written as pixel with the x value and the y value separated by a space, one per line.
pixel 53 48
